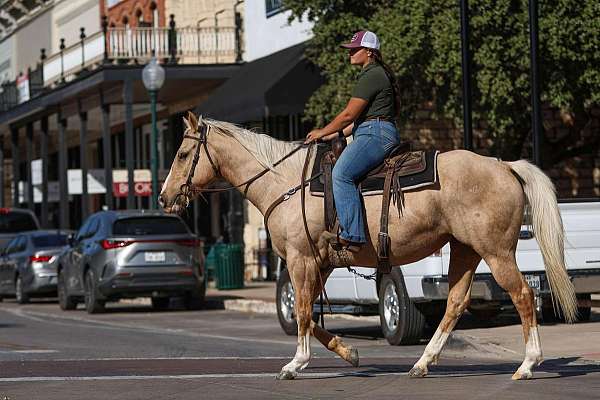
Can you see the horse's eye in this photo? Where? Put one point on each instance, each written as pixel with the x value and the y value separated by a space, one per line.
pixel 182 155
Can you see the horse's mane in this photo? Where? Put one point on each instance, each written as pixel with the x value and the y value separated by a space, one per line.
pixel 266 149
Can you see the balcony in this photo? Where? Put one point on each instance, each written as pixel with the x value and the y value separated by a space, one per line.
pixel 189 45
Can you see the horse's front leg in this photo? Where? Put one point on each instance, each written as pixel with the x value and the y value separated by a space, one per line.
pixel 303 274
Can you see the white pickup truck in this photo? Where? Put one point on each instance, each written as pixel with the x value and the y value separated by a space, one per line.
pixel 415 294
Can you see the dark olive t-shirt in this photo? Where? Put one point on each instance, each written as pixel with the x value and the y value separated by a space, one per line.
pixel 374 86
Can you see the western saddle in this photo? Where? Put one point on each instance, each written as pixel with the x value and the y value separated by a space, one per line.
pixel 400 162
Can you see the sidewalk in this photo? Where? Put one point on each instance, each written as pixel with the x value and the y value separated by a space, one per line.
pixel 258 297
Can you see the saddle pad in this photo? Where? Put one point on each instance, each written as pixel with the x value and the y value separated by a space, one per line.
pixel 374 185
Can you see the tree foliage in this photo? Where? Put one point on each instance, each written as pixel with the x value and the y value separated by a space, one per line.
pixel 421 41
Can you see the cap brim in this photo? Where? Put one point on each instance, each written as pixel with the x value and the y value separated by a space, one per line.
pixel 350 45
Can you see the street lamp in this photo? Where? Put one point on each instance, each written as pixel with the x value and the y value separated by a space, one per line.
pixel 153 76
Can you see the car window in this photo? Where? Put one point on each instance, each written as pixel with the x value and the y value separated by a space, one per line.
pixel 138 226
pixel 16 221
pixel 50 240
pixel 81 234
pixel 11 245
pixel 19 244
pixel 94 225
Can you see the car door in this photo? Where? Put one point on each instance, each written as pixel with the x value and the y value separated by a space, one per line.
pixel 5 276
pixel 14 256
pixel 73 258
pixel 89 242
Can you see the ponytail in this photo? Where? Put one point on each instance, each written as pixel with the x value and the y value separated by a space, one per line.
pixel 390 74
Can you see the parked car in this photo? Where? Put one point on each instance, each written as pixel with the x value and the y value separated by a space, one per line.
pixel 414 295
pixel 28 264
pixel 14 221
pixel 129 254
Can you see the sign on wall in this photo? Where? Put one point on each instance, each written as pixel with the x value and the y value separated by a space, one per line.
pixel 23 88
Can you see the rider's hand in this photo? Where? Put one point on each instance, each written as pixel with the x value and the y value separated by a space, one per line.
pixel 313 136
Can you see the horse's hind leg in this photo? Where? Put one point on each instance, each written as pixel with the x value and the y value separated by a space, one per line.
pixel 463 263
pixel 509 277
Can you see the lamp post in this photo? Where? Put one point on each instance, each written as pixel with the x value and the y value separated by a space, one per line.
pixel 153 76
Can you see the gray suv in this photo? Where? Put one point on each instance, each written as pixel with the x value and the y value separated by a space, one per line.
pixel 128 254
pixel 28 264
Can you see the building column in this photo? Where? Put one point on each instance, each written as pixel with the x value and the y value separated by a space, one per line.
pixel 85 201
pixel 108 197
pixel 129 146
pixel 44 145
pixel 29 148
pixel 62 172
pixel 14 144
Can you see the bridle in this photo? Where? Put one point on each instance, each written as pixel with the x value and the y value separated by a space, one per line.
pixel 185 190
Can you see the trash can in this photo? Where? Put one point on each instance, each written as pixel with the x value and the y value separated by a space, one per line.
pixel 210 262
pixel 229 266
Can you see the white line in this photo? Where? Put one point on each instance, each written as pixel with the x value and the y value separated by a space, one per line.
pixel 28 351
pixel 269 375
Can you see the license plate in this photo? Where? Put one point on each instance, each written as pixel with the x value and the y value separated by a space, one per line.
pixel 155 256
pixel 533 281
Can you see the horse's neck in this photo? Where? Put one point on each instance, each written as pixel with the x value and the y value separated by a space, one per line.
pixel 237 166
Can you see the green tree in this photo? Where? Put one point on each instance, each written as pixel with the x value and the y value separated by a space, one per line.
pixel 421 40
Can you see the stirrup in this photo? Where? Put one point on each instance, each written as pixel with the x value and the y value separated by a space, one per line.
pixel 337 245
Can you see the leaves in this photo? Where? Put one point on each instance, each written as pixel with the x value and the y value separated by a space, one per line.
pixel 421 41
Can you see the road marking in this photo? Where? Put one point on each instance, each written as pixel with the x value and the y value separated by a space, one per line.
pixel 269 375
pixel 41 351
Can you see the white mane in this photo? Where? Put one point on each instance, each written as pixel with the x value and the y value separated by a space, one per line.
pixel 266 149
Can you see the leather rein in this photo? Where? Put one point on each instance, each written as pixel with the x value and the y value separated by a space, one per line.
pixel 186 191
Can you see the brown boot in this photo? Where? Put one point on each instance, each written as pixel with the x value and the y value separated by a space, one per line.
pixel 338 244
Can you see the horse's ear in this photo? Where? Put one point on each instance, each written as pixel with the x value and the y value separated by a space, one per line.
pixel 193 121
pixel 188 125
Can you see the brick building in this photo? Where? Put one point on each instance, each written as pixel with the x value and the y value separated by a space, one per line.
pixel 134 13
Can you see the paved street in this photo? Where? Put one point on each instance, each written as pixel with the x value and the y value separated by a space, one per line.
pixel 133 352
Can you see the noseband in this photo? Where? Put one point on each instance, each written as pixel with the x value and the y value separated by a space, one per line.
pixel 186 189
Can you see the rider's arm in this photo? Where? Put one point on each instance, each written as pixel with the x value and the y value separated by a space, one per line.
pixel 353 109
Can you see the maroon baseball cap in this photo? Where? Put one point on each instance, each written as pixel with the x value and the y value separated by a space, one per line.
pixel 363 39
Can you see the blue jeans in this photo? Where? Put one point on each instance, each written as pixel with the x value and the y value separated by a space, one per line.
pixel 373 141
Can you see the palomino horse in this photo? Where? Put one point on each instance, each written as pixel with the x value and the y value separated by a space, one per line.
pixel 477 206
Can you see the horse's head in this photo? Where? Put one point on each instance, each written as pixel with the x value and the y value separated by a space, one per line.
pixel 192 169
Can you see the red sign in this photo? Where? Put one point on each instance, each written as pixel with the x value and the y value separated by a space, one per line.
pixel 121 189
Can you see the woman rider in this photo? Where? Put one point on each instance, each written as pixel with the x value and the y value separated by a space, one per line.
pixel 369 116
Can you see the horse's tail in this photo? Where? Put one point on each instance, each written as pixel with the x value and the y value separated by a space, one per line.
pixel 549 232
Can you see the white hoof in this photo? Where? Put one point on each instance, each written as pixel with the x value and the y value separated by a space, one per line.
pixel 286 375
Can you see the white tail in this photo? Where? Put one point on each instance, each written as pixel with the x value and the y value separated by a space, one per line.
pixel 549 232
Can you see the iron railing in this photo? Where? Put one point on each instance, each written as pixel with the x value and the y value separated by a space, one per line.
pixel 177 45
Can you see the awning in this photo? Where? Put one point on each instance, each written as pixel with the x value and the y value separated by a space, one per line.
pixel 279 84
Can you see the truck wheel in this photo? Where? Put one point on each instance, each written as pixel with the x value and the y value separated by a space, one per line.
pixel 65 301
pixel 401 321
pixel 20 294
pixel 92 304
pixel 285 303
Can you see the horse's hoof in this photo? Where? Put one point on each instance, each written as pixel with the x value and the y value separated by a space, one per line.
pixel 354 359
pixel 417 372
pixel 522 376
pixel 285 376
